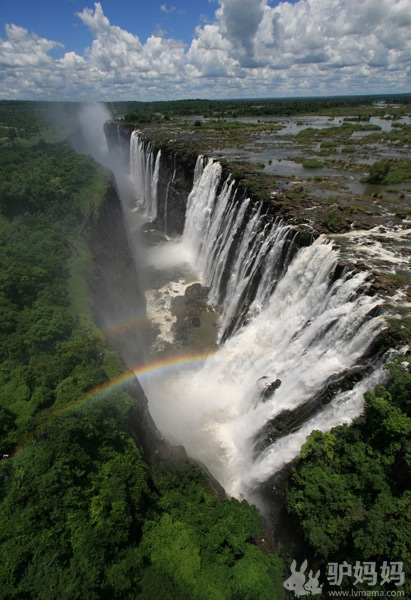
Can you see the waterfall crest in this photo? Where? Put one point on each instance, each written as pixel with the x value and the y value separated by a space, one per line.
pixel 287 330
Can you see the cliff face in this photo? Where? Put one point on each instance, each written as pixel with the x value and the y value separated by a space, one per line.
pixel 175 183
pixel 118 138
pixel 117 297
pixel 119 307
pixel 175 176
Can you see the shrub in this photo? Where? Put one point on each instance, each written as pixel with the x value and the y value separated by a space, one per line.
pixel 333 221
pixel 328 144
pixel 378 171
pixel 312 163
pixel 348 150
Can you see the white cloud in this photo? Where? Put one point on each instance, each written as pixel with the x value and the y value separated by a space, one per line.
pixel 166 9
pixel 251 49
pixel 23 49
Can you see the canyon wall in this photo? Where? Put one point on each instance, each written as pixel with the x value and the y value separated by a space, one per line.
pixel 118 306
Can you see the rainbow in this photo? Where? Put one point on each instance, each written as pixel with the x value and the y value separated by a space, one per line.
pixel 166 364
pixel 125 326
pixel 158 366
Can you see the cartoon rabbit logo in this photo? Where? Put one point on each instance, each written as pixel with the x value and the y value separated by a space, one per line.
pixel 297 584
pixel 312 584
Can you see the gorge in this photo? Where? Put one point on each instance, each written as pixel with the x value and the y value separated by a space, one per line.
pixel 261 334
pixel 182 331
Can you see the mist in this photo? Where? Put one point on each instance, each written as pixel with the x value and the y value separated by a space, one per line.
pixel 91 119
pixel 89 136
pixel 118 298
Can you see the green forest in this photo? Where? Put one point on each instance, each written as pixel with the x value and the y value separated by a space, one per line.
pixel 82 514
pixel 152 112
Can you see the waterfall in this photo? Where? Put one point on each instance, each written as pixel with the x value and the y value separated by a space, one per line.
pixel 166 196
pixel 310 331
pixel 154 185
pixel 241 253
pixel 144 174
pixel 288 331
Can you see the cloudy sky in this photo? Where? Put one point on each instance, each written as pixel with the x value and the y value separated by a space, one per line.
pixel 149 50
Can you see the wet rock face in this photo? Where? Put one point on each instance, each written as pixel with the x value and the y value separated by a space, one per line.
pixel 152 234
pixel 116 291
pixel 117 297
pixel 117 135
pixel 289 420
pixel 175 176
pixel 385 284
pixel 196 294
pixel 267 387
pixel 187 309
pixel 174 185
pixel 338 272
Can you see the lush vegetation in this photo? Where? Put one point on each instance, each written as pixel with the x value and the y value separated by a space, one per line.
pixel 362 106
pixel 312 163
pixel 29 121
pixel 44 194
pixel 389 172
pixel 43 179
pixel 334 221
pixel 338 132
pixel 81 517
pixel 21 119
pixel 351 489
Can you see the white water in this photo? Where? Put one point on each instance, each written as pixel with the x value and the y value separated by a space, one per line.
pixel 297 327
pixel 144 174
pixel 166 197
pixel 343 409
pixel 225 235
pixel 309 332
pixel 387 248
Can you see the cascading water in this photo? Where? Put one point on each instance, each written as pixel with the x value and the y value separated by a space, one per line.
pixel 144 174
pixel 286 330
pixel 228 237
pixel 167 196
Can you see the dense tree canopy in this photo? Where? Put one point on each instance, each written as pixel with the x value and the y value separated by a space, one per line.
pixel 147 112
pixel 42 179
pixel 351 489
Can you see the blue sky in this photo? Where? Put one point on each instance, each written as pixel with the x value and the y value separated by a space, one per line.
pixel 122 49
pixel 56 19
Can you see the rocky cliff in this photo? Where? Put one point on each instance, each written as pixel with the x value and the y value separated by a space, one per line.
pixel 119 307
